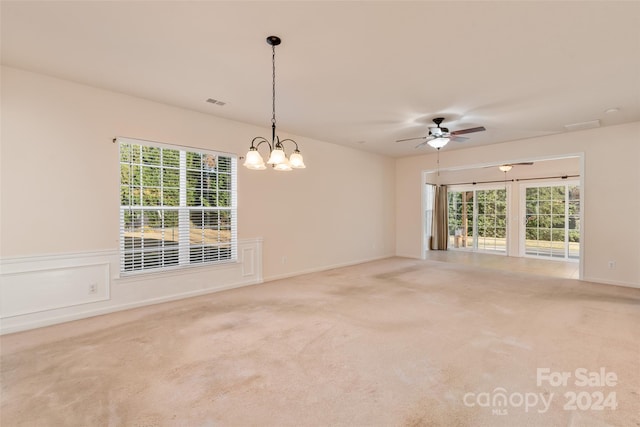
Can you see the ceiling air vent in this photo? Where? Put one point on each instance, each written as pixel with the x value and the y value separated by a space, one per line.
pixel 216 102
pixel 583 125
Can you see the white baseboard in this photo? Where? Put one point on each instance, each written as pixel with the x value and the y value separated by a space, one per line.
pixel 611 282
pixel 324 268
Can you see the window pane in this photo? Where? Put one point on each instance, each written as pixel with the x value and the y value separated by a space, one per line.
pixel 544 221
pixel 224 182
pixel 574 193
pixel 125 153
pixel 544 193
pixel 224 199
pixel 135 175
pixel 171 178
pixel 558 221
pixel 574 208
pixel 544 207
pixel 194 197
pixel 125 173
pixel 151 155
pixel 136 196
pixel 224 164
pixel 209 198
pixel 194 179
pixel 125 195
pixel 171 197
pixel 194 161
pixel 558 207
pixel 151 197
pixel 558 193
pixel 171 158
pixel 557 235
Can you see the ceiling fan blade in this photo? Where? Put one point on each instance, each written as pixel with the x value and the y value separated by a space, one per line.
pixel 410 139
pixel 422 144
pixel 510 164
pixel 470 130
pixel 459 139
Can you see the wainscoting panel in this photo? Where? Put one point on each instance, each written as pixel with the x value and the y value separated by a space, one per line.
pixel 248 267
pixel 41 290
pixel 45 290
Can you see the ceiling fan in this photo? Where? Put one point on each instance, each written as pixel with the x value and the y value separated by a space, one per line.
pixel 508 166
pixel 439 136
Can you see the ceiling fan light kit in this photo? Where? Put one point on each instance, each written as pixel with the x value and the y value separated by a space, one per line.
pixel 438 142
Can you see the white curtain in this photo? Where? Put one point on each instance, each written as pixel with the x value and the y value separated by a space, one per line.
pixel 440 226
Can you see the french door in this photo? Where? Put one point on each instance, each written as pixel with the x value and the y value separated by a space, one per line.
pixel 478 219
pixel 551 219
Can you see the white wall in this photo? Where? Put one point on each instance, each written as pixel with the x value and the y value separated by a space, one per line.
pixel 611 193
pixel 60 174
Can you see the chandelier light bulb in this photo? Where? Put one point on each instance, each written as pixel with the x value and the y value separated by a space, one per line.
pixel 253 160
pixel 284 166
pixel 277 156
pixel 296 160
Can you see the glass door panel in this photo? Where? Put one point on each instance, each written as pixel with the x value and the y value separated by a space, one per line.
pixel 492 220
pixel 552 221
pixel 461 219
pixel 478 220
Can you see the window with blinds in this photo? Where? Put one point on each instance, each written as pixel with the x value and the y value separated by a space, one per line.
pixel 177 206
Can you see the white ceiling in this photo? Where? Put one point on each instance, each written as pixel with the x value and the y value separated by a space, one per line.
pixel 361 74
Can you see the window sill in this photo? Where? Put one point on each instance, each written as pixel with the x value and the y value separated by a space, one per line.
pixel 127 276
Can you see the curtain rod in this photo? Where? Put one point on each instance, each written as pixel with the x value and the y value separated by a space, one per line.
pixel 508 180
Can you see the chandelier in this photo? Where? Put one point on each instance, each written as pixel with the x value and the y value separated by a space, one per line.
pixel 277 157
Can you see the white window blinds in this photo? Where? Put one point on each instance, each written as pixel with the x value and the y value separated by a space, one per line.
pixel 177 206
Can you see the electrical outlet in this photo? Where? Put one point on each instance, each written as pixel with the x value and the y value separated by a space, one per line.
pixel 284 259
pixel 93 288
pixel 612 265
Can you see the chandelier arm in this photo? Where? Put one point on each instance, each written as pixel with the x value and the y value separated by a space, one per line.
pixel 289 139
pixel 260 140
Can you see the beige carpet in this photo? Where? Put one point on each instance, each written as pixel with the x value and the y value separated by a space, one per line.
pixel 396 342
